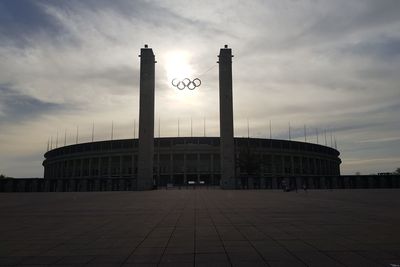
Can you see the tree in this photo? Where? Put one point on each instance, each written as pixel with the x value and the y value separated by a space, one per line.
pixel 397 171
pixel 358 173
pixel 2 176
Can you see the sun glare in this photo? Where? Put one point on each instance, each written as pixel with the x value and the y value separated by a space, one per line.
pixel 178 65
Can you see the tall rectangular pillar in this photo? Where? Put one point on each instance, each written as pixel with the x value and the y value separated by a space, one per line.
pixel 227 145
pixel 146 119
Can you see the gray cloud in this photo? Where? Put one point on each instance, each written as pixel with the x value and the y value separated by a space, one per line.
pixel 18 107
pixel 387 49
pixel 20 20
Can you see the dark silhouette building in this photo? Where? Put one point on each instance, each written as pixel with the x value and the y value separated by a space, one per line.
pixel 178 160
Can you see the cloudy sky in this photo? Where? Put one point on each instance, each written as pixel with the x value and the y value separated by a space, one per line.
pixel 331 65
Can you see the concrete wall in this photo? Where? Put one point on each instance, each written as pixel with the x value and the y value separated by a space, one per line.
pixel 66 185
pixel 124 184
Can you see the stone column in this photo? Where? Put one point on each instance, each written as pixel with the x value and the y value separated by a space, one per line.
pixel 301 165
pixel 212 169
pixel 227 145
pixel 98 167
pixel 370 182
pixel 90 168
pixel 74 168
pixel 109 167
pixel 171 168
pixel 81 169
pixel 346 182
pixel 292 166
pixel 274 182
pixel 299 184
pixel 133 165
pixel 120 166
pixel 198 167
pixel 158 162
pixel 322 182
pixel 314 162
pixel 184 169
pixel 146 119
pixel 273 166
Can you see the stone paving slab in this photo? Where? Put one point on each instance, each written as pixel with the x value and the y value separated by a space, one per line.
pixel 201 228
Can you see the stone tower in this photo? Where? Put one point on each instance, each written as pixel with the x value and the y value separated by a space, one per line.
pixel 146 119
pixel 226 119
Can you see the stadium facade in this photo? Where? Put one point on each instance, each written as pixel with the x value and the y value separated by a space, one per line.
pixel 181 160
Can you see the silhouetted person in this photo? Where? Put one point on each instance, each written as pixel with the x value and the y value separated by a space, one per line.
pixel 305 188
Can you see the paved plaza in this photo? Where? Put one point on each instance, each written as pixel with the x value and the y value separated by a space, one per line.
pixel 201 228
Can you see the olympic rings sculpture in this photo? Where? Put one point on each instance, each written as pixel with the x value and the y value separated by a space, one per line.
pixel 186 83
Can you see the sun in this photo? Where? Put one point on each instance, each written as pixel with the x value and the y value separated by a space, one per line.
pixel 178 65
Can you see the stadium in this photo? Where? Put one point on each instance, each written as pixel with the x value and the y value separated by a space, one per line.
pixel 178 161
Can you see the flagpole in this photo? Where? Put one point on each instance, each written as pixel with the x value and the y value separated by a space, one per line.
pixel 112 130
pixel 204 126
pixel 178 128
pixel 134 129
pixel 270 130
pixel 77 133
pixel 57 140
pixel 248 128
pixel 159 127
pixel 65 137
pixel 92 132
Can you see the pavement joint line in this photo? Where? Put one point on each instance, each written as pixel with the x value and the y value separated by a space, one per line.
pixel 72 238
pixel 149 233
pixel 311 245
pixel 317 249
pixel 368 259
pixel 195 229
pixel 284 247
pixel 173 231
pixel 323 252
pixel 345 237
pixel 219 235
pixel 358 251
pixel 237 229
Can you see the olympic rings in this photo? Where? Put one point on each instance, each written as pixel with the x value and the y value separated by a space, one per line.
pixel 186 83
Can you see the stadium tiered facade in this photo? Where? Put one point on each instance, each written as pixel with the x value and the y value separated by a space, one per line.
pixel 180 160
